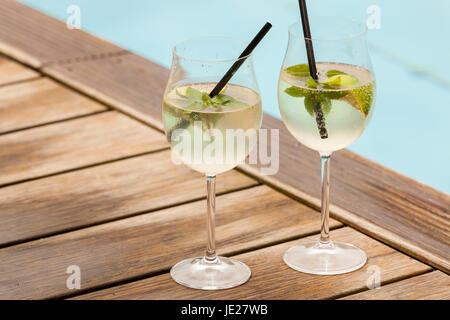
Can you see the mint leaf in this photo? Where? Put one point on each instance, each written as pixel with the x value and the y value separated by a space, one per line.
pixel 296 92
pixel 195 106
pixel 236 104
pixel 200 100
pixel 312 100
pixel 229 101
pixel 223 98
pixel 299 70
pixel 205 98
pixel 331 73
pixel 311 83
pixel 193 93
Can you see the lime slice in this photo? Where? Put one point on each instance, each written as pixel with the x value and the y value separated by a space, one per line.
pixel 311 83
pixel 313 99
pixel 341 80
pixel 364 97
pixel 361 98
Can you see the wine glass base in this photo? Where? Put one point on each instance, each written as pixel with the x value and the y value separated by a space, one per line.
pixel 198 273
pixel 325 259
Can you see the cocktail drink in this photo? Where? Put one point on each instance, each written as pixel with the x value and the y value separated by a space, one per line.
pixel 220 132
pixel 326 111
pixel 345 94
pixel 211 133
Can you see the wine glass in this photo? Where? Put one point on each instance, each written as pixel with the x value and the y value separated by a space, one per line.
pixel 326 116
pixel 211 136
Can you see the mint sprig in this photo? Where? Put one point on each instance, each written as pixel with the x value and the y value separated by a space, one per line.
pixel 335 78
pixel 200 100
pixel 341 85
pixel 299 70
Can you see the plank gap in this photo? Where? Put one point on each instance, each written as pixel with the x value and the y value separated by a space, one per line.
pixel 85 58
pixel 84 167
pixel 54 122
pixel 282 190
pixel 280 241
pixel 433 285
pixel 273 279
pixel 383 283
pixel 38 77
pixel 167 270
pixel 123 217
pixel 67 85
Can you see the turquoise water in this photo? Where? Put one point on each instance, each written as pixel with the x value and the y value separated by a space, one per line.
pixel 410 127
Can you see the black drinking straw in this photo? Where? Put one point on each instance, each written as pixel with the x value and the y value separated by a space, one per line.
pixel 221 84
pixel 320 118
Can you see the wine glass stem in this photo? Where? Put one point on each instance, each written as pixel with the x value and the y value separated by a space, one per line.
pixel 325 203
pixel 211 255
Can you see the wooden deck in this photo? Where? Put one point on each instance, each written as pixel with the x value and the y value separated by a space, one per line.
pixel 85 179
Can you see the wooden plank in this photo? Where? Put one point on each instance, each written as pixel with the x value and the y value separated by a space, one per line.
pixel 73 144
pixel 37 39
pixel 374 199
pixel 430 286
pixel 101 193
pixel 41 101
pixel 131 83
pixel 149 243
pixel 11 72
pixel 273 279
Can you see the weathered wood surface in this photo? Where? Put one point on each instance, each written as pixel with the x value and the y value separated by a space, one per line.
pixel 73 144
pixel 11 72
pixel 41 101
pixel 110 201
pixel 389 206
pixel 430 286
pixel 153 242
pixel 102 193
pixel 131 83
pixel 273 279
pixel 37 40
